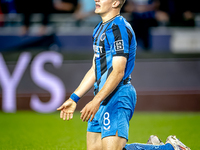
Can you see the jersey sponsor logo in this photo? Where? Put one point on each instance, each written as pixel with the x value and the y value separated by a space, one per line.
pixel 97 50
pixel 119 45
pixel 103 36
pixel 96 55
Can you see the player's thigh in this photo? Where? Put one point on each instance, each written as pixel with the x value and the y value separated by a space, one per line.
pixel 94 141
pixel 113 143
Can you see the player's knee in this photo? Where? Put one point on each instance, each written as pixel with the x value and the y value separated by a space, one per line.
pixel 113 147
pixel 94 141
pixel 113 143
pixel 94 147
pixel 109 148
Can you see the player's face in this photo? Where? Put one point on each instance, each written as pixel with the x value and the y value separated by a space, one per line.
pixel 103 6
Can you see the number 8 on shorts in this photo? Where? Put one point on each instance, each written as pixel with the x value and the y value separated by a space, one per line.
pixel 106 121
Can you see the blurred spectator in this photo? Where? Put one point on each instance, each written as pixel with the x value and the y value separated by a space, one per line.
pixel 9 8
pixel 27 23
pixel 1 17
pixel 67 6
pixel 28 8
pixel 145 14
pixel 189 18
pixel 45 8
pixel 182 13
pixel 84 11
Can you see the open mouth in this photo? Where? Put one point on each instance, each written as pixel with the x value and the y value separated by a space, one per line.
pixel 98 6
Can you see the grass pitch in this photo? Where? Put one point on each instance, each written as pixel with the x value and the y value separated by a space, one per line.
pixel 27 130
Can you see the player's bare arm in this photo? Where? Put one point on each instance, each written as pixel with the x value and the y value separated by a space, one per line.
pixel 119 65
pixel 87 82
pixel 69 106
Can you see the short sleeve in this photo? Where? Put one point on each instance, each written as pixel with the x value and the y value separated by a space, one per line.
pixel 120 41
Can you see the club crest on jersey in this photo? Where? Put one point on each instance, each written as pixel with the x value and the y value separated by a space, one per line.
pixel 119 45
pixel 103 36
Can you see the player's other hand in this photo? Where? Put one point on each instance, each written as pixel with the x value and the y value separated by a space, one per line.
pixel 89 111
pixel 67 109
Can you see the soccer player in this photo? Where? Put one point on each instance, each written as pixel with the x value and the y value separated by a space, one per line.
pixel 109 112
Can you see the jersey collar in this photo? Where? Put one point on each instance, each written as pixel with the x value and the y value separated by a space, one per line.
pixel 110 19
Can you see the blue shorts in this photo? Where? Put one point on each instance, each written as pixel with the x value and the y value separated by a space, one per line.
pixel 115 113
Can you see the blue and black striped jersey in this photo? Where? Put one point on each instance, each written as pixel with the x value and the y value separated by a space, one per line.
pixel 112 38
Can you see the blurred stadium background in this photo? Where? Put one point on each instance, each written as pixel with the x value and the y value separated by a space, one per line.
pixel 46 48
pixel 166 74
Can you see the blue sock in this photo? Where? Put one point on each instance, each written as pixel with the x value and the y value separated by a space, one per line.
pixel 138 146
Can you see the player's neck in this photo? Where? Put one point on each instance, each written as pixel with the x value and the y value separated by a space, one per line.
pixel 107 17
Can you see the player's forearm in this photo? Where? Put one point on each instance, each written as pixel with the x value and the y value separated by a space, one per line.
pixel 86 84
pixel 111 83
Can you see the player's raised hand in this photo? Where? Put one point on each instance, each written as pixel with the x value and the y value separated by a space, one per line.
pixel 67 109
